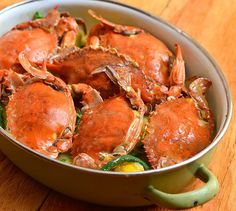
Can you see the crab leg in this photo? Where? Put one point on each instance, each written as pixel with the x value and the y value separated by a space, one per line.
pixel 126 30
pixel 177 75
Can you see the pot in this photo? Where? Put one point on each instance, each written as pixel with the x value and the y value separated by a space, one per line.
pixel 161 186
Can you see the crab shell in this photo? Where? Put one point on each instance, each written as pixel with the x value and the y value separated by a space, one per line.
pixel 41 117
pixel 104 128
pixel 37 38
pixel 151 54
pixel 87 66
pixel 37 42
pixel 175 132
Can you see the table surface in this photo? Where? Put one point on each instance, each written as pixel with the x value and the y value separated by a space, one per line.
pixel 213 24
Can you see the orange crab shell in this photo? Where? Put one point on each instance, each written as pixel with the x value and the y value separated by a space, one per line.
pixel 79 66
pixel 104 127
pixel 175 132
pixel 151 54
pixel 38 38
pixel 42 118
pixel 37 42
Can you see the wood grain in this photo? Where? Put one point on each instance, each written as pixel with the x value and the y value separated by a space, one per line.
pixel 213 24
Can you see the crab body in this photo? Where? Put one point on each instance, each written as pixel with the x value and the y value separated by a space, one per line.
pixel 42 119
pixel 113 122
pixel 38 38
pixel 179 128
pixel 39 110
pixel 88 65
pixel 16 41
pixel 151 54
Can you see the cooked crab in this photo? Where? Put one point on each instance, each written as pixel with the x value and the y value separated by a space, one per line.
pixel 40 111
pixel 152 55
pixel 37 38
pixel 179 128
pixel 107 129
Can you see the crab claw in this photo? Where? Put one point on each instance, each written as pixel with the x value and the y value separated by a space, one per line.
pixel 42 74
pixel 197 88
pixel 90 96
pixel 123 79
pixel 84 160
pixel 39 73
pixel 51 20
pixel 177 75
pixel 125 30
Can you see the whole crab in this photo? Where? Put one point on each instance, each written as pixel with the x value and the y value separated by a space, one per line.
pixel 115 123
pixel 88 65
pixel 180 127
pixel 39 109
pixel 150 53
pixel 37 38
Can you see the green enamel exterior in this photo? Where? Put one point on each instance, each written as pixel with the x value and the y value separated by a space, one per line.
pixel 188 199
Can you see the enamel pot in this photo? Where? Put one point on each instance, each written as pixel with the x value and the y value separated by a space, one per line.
pixel 161 186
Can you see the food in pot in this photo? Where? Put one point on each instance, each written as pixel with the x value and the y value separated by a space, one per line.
pixel 37 38
pixel 118 102
pixel 40 112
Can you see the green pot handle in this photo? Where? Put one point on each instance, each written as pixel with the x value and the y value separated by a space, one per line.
pixel 188 199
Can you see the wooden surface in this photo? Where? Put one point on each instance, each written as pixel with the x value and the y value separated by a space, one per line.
pixel 213 24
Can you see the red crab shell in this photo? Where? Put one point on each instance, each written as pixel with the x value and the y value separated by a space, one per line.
pixel 175 132
pixel 40 114
pixel 105 127
pixel 151 54
pixel 37 38
pixel 87 65
pixel 37 42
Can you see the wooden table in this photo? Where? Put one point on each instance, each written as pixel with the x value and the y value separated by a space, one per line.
pixel 213 24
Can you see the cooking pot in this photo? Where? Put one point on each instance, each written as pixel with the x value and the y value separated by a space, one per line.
pixel 161 186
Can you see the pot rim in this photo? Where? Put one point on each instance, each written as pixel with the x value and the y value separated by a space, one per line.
pixel 215 141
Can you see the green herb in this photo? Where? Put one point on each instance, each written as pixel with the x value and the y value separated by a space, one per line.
pixel 78 117
pixel 65 158
pixel 37 15
pixel 81 39
pixel 125 158
pixel 2 116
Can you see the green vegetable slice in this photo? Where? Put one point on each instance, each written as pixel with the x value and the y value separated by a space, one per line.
pixel 37 15
pixel 78 117
pixel 65 158
pixel 125 158
pixel 81 39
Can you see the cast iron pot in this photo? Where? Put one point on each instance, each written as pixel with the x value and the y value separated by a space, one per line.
pixel 161 186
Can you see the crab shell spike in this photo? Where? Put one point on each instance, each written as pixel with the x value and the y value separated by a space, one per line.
pixel 91 97
pixel 114 51
pixel 177 75
pixel 126 30
pixel 41 74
